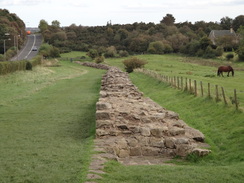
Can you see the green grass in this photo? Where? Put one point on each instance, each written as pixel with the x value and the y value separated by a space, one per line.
pixel 223 129
pixel 222 126
pixel 198 69
pixel 47 123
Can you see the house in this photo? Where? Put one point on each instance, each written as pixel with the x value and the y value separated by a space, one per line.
pixel 214 34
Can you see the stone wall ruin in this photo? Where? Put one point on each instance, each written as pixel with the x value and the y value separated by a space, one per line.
pixel 129 124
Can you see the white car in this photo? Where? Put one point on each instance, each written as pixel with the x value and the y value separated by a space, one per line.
pixel 34 48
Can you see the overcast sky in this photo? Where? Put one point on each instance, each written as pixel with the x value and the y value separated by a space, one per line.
pixel 99 12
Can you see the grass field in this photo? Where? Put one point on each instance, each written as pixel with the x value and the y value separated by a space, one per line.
pixel 222 125
pixel 203 70
pixel 47 123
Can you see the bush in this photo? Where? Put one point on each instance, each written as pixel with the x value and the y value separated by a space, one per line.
pixel 229 56
pixel 219 51
pixel 240 53
pixel 93 53
pixel 28 66
pixel 133 63
pixel 110 52
pixel 99 59
pixel 123 53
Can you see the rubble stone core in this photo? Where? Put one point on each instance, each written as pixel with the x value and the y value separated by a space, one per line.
pixel 128 124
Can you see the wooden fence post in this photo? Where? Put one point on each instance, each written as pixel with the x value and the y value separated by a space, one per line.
pixel 201 88
pixel 195 87
pixel 178 82
pixel 209 94
pixel 235 98
pixel 190 85
pixel 186 84
pixel 217 93
pixel 182 83
pixel 223 93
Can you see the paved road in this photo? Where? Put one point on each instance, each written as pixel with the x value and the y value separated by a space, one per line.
pixel 26 53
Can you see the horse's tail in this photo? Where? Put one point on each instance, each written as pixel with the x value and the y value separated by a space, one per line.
pixel 233 72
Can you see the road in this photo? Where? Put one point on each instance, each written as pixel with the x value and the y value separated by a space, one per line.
pixel 26 53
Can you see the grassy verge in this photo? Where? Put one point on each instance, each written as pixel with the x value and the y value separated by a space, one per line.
pixel 47 123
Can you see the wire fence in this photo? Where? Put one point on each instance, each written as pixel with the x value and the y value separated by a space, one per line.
pixel 218 93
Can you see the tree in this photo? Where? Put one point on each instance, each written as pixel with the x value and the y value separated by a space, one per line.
pixel 228 42
pixel 55 23
pixel 110 52
pixel 93 53
pixel 43 25
pixel 238 21
pixel 205 42
pixel 226 22
pixel 156 47
pixel 177 41
pixel 168 20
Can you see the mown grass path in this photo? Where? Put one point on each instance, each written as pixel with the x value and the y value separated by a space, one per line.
pixel 47 123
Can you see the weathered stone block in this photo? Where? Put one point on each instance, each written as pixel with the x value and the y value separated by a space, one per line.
pixel 134 129
pixel 145 131
pixel 194 134
pixel 103 106
pixel 123 153
pixel 132 142
pixel 170 142
pixel 150 151
pixel 135 151
pixel 122 143
pixel 201 152
pixel 114 133
pixel 103 123
pixel 157 132
pixel 172 115
pixel 103 94
pixel 183 149
pixel 176 131
pixel 182 141
pixel 102 115
pixel 157 142
pixel 100 132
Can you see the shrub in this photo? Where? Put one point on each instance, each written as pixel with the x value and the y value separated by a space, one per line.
pixel 229 56
pixel 156 47
pixel 133 63
pixel 28 66
pixel 123 53
pixel 93 53
pixel 110 52
pixel 99 59
pixel 209 53
pixel 219 51
pixel 240 53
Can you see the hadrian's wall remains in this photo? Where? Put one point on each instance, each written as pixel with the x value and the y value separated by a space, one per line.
pixel 129 124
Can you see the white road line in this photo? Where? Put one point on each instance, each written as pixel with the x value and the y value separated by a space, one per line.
pixel 32 46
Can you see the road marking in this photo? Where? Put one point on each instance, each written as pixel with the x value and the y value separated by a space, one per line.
pixel 31 47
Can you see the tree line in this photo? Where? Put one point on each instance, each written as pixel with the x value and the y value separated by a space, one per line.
pixel 137 38
pixel 12 34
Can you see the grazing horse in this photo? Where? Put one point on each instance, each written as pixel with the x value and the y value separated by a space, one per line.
pixel 228 69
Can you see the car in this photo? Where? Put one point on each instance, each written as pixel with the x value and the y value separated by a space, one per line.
pixel 34 48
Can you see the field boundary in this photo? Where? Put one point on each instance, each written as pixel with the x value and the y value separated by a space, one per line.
pixel 215 92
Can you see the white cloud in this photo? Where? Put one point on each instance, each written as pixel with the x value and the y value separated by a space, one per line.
pixel 98 12
pixel 22 2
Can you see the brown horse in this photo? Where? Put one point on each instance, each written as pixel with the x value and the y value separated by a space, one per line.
pixel 228 69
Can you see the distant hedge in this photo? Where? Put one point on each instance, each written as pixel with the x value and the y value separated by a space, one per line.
pixel 12 66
